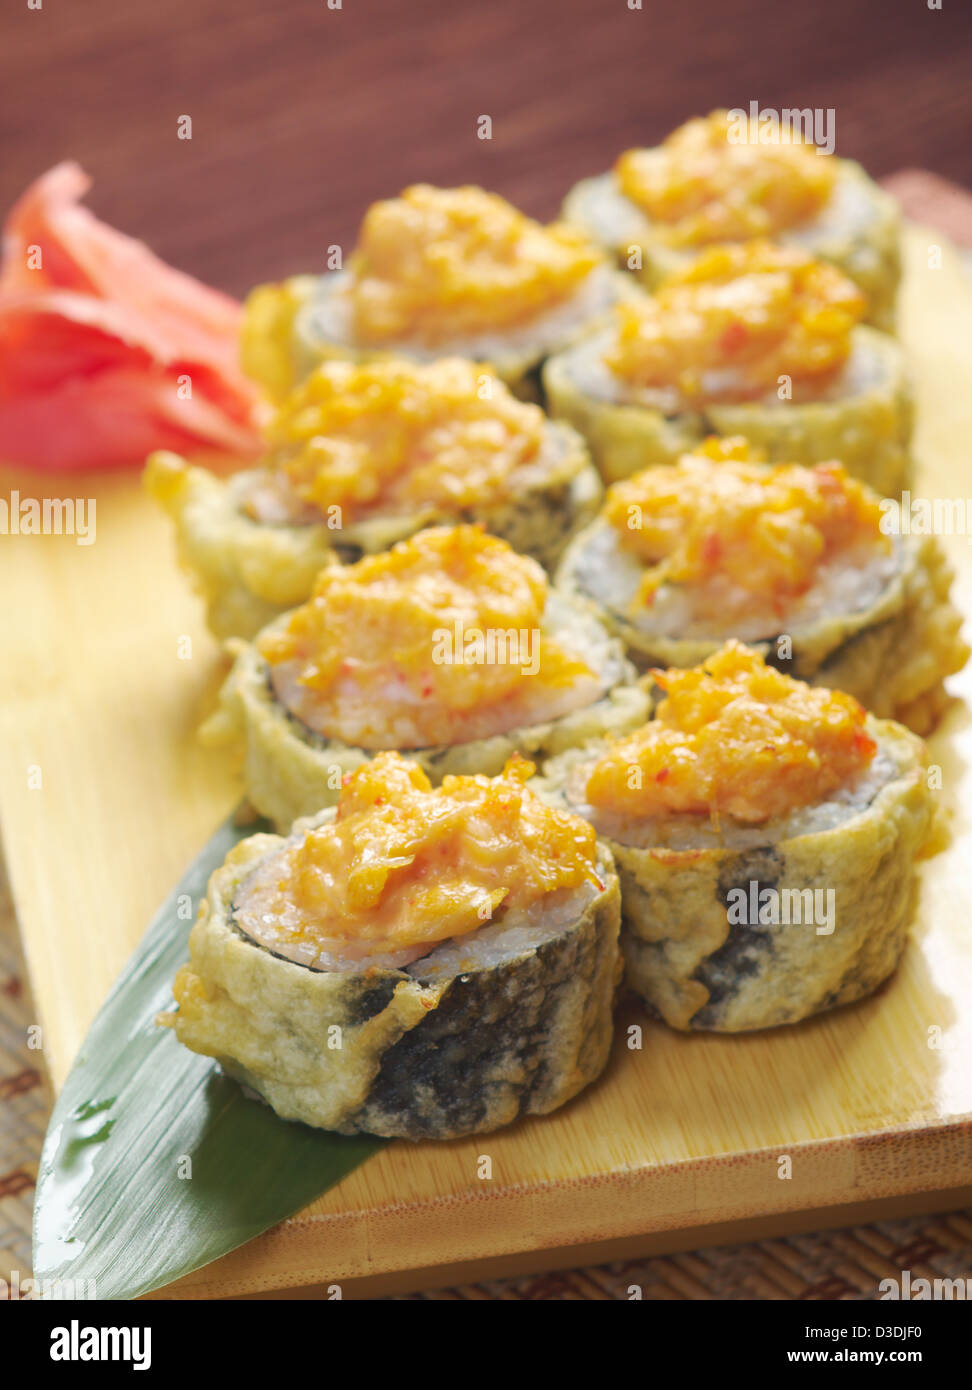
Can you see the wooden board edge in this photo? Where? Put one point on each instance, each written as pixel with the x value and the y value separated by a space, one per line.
pixel 564 1220
pixel 636 1247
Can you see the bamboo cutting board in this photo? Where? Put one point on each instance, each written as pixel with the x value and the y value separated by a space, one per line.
pixel 105 796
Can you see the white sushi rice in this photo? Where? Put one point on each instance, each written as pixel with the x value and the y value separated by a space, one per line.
pixel 849 583
pixel 686 832
pixel 604 211
pixel 614 220
pixel 260 914
pixel 267 497
pixel 405 710
pixel 587 369
pixel 327 320
pixel 847 213
pixel 513 934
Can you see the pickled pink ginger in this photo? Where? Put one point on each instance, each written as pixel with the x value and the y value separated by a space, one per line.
pixel 106 352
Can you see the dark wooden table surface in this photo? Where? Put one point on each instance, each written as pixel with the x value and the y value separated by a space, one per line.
pixel 304 114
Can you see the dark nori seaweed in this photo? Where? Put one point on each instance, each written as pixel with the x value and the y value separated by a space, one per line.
pixel 492 1047
pixel 370 995
pixel 748 946
pixel 484 1054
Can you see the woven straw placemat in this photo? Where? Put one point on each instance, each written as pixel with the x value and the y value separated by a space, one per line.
pixel 845 1264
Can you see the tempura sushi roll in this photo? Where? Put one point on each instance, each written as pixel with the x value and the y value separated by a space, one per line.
pixel 362 455
pixel 793 560
pixel 714 180
pixel 417 963
pixel 449 646
pixel 437 272
pixel 753 340
pixel 765 834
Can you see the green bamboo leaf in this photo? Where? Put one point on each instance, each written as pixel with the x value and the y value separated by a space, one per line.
pixel 112 1205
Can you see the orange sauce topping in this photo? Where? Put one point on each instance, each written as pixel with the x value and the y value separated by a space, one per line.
pixel 734 737
pixel 405 864
pixel 737 320
pixel 440 264
pixel 388 624
pixel 712 180
pixel 399 435
pixel 753 534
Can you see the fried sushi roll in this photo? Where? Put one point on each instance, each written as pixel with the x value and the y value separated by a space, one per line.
pixel 753 340
pixel 450 646
pixel 360 456
pixel 714 181
pixel 414 963
pixel 765 834
pixel 437 272
pixel 795 561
